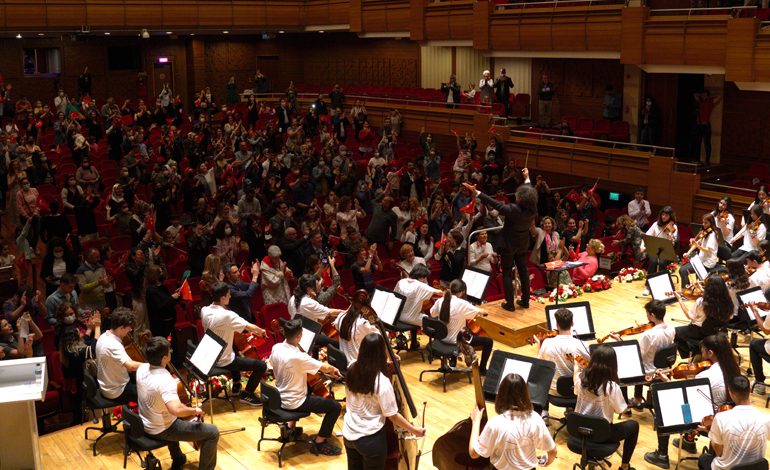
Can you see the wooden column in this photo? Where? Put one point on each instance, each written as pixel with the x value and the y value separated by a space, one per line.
pixel 632 36
pixel 739 63
pixel 196 66
pixel 481 19
pixel 417 28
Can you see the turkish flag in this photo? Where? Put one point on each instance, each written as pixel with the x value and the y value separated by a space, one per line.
pixel 185 292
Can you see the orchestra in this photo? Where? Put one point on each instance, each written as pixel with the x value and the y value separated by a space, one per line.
pixel 377 399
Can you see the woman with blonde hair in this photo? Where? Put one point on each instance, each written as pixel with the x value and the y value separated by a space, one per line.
pixel 579 275
pixel 212 274
pixel 632 236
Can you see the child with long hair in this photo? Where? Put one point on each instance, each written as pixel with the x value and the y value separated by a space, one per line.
pixel 709 313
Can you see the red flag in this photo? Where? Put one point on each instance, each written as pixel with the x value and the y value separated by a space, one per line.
pixel 184 291
pixel 440 242
pixel 468 208
pixel 401 171
pixel 245 273
pixel 150 224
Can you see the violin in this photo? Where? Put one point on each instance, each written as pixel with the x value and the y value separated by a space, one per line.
pixel 692 292
pixel 724 215
pixel 684 371
pixel 579 360
pixel 759 305
pixel 670 230
pixel 315 382
pixel 707 421
pixel 542 336
pixel 699 237
pixel 632 330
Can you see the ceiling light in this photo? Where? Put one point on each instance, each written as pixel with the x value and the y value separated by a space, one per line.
pixel 18 36
pixel 225 32
pixel 145 34
pixel 322 31
pixel 106 33
pixel 192 34
pixel 41 34
pixel 281 32
pixel 169 32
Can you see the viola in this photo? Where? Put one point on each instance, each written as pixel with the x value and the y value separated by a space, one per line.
pixel 316 383
pixel 248 344
pixel 632 330
pixel 692 292
pixel 759 305
pixel 707 421
pixel 683 371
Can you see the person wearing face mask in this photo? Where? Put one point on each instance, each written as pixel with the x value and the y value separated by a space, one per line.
pixel 228 243
pixel 64 293
pixel 93 281
pixel 26 205
pixel 57 261
pixel 649 122
pixel 87 175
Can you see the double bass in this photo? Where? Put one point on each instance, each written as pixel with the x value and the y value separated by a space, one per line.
pixel 450 451
pixel 403 452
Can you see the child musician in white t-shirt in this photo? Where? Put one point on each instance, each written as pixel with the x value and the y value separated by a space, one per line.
pixel 512 438
pixel 561 347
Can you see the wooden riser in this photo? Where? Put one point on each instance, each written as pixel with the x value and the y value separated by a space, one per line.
pixel 512 328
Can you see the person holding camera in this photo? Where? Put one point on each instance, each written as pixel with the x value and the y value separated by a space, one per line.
pixel 451 91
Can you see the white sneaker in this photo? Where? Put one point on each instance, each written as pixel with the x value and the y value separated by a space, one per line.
pixel 646 291
pixel 758 388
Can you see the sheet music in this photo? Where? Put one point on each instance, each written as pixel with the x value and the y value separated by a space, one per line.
pixel 700 405
pixel 659 285
pixel 754 296
pixel 206 354
pixel 579 319
pixel 700 269
pixel 476 283
pixel 670 402
pixel 513 366
pixel 629 363
pixel 307 339
pixel 22 379
pixel 386 305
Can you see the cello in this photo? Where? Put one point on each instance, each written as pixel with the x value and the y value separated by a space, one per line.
pixel 450 451
pixel 315 382
pixel 402 448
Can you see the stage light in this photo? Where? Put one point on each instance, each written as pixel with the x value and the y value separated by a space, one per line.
pixel 145 34
pixel 18 36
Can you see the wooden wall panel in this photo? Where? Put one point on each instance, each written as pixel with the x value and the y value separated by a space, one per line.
pixel 761 57
pixel 215 15
pixel 385 16
pixel 579 84
pixel 451 20
pixel 25 15
pixel 739 63
pixel 745 121
pixel 685 40
pixel 136 14
pixel 481 14
pixel 632 38
pixel 417 10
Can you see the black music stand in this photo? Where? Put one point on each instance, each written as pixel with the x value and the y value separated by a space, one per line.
pixel 630 365
pixel 563 267
pixel 680 406
pixel 536 372
pixel 476 282
pixel 660 284
pixel 202 361
pixel 663 248
pixel 310 330
pixel 387 305
pixel 581 318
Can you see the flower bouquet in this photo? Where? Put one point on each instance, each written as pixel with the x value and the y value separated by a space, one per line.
pixel 630 275
pixel 565 292
pixel 597 283
pixel 117 412
pixel 218 384
pixel 672 268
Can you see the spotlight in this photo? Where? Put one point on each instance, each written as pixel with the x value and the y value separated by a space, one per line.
pixel 169 32
pixel 225 32
pixel 106 33
pixel 281 32
pixel 145 34
pixel 18 36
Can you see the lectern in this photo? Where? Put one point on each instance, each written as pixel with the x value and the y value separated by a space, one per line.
pixel 22 383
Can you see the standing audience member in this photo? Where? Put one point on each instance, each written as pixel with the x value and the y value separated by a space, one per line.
pixel 545 95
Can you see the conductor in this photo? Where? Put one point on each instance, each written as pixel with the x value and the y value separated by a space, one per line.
pixel 519 216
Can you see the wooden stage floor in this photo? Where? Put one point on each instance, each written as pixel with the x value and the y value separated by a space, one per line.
pixel 613 309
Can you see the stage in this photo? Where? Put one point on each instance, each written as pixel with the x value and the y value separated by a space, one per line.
pixel 612 310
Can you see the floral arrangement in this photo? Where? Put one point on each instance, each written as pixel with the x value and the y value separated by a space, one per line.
pixel 630 275
pixel 597 283
pixel 672 268
pixel 218 384
pixel 117 412
pixel 563 292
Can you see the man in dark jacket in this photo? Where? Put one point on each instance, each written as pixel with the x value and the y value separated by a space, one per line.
pixel 337 97
pixel 503 85
pixel 451 92
pixel 452 258
pixel 518 219
pixel 241 292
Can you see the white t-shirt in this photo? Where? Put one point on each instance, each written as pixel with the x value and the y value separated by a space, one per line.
pixel 748 243
pixel 652 340
pixel 639 211
pixel 223 323
pixel 308 307
pixel 476 251
pixel 511 440
pixel 656 230
pixel 360 329
pixel 366 414
pixel 416 292
pixel 697 314
pixel 761 276
pixel 291 366
pixel 606 404
pixel 460 310
pixel 727 226
pixel 709 258
pixel 111 358
pixel 556 349
pixel 717 382
pixel 743 433
pixel 155 387
pixel 407 267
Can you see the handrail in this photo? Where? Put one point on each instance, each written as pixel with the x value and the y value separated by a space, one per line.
pixel 725 186
pixel 557 3
pixel 653 149
pixel 679 163
pixel 459 106
pixel 690 11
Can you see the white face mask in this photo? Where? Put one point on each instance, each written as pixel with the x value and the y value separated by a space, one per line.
pixel 228 231
pixel 70 319
pixel 58 255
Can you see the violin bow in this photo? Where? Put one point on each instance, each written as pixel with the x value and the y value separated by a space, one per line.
pixel 422 444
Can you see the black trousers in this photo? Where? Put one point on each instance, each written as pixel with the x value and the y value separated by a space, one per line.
pixel 322 340
pixel 509 260
pixel 256 367
pixel 688 338
pixel 702 134
pixel 758 355
pixel 704 461
pixel 129 394
pixel 368 452
pixel 322 406
pixel 486 350
pixel 628 433
pixel 655 265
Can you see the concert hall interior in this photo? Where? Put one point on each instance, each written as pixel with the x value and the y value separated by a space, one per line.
pixel 373 234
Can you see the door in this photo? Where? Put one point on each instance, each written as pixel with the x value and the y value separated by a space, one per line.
pixel 162 73
pixel 268 65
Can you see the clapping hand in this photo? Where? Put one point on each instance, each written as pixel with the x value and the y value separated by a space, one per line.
pixel 472 188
